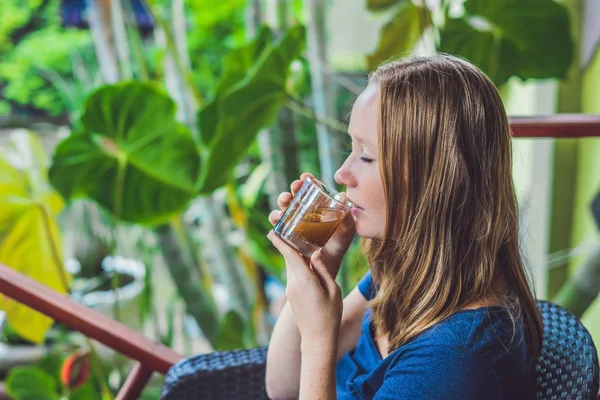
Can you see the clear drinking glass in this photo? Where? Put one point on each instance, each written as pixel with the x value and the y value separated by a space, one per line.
pixel 314 214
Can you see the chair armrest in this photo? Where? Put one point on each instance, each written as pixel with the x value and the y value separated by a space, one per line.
pixel 230 375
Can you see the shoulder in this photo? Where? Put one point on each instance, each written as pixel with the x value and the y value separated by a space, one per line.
pixel 480 331
pixel 366 286
pixel 438 372
pixel 472 354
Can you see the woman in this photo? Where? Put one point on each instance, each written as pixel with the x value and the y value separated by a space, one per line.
pixel 445 311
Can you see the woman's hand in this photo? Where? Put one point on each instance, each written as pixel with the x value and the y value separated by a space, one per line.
pixel 337 246
pixel 313 294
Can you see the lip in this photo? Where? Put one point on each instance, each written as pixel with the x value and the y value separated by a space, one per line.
pixel 354 204
pixel 356 210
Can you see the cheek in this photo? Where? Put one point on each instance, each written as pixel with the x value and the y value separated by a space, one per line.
pixel 379 211
pixel 377 198
pixel 373 224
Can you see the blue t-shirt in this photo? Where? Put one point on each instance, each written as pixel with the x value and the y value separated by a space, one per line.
pixel 473 354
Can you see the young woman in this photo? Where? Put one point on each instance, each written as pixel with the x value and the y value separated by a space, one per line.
pixel 445 311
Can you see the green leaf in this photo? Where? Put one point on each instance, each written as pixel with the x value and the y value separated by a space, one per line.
pixel 167 338
pixel 237 115
pixel 31 383
pixel 86 392
pixel 208 118
pixel 129 112
pixel 30 73
pixel 51 364
pixel 379 5
pixel 30 240
pixel 528 39
pixel 238 62
pixel 259 247
pixel 131 155
pixel 400 34
pixel 252 188
pixel 231 332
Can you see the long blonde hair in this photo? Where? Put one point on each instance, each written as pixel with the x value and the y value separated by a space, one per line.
pixel 451 234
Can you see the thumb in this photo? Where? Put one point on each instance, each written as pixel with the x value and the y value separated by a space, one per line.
pixel 325 277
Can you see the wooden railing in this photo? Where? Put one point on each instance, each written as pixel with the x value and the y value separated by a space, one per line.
pixel 151 356
pixel 556 126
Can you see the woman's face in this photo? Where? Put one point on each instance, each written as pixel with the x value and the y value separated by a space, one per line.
pixel 360 172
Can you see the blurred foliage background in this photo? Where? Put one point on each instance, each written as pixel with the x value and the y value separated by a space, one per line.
pixel 145 142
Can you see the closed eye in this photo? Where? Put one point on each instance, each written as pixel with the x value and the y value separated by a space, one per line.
pixel 366 160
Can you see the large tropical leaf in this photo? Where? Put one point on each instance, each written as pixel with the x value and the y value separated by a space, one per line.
pixel 399 36
pixel 229 124
pixel 29 236
pixel 238 62
pixel 528 39
pixel 131 156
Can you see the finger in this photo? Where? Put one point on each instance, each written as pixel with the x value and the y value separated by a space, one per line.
pixel 294 261
pixel 275 216
pixel 306 175
pixel 295 186
pixel 320 269
pixel 286 250
pixel 284 200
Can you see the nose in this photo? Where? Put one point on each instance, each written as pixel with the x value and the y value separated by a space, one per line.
pixel 343 176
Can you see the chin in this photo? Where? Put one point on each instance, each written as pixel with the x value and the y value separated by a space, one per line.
pixel 367 232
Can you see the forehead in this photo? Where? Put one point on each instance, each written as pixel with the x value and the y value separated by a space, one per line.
pixel 363 120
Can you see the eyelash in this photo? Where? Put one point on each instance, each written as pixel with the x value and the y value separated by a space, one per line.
pixel 366 160
pixel 362 159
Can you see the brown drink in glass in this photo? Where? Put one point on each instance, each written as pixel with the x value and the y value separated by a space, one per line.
pixel 313 216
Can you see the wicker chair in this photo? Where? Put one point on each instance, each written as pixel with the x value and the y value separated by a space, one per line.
pixel 566 369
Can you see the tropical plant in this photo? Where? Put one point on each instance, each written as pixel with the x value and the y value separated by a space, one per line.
pixel 522 38
pixel 39 61
pixel 30 240
pixel 65 373
pixel 133 158
pixel 583 286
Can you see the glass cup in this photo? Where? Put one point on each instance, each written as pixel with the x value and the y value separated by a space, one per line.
pixel 314 214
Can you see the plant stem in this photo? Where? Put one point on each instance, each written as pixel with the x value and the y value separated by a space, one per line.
pixel 122 160
pixel 186 276
pixel 61 273
pixel 114 283
pixel 136 43
pixel 300 108
pixel 184 72
pixel 97 369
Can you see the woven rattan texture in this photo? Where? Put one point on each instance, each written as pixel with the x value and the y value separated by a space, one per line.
pixel 567 367
pixel 229 375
